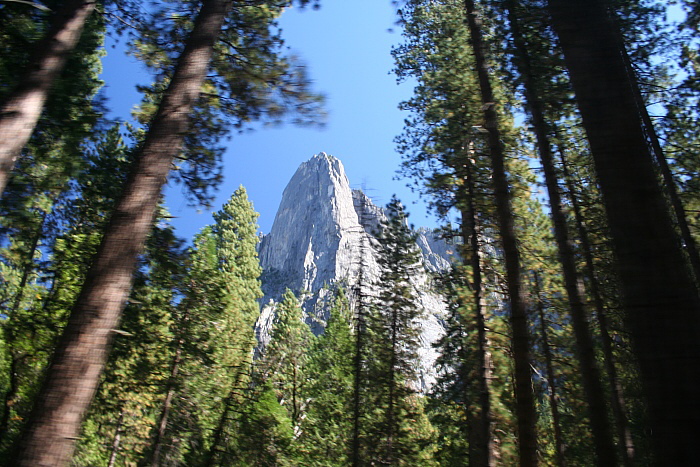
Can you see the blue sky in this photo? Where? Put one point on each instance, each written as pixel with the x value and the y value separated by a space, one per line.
pixel 346 46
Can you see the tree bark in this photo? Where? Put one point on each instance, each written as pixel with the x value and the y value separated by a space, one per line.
pixel 659 295
pixel 80 356
pixel 524 397
pixel 590 374
pixel 22 108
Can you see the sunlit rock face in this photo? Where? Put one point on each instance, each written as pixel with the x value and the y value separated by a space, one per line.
pixel 323 234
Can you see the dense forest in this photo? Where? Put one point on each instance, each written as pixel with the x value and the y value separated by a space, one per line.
pixel 573 335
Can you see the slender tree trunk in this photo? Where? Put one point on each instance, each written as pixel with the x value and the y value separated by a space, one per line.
pixel 483 452
pixel 116 441
pixel 22 109
pixel 220 430
pixel 73 376
pixel 659 295
pixel 167 404
pixel 358 358
pixel 390 411
pixel 590 374
pixel 551 381
pixel 524 397
pixel 617 397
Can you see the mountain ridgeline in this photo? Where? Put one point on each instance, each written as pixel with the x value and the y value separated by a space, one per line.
pixel 323 237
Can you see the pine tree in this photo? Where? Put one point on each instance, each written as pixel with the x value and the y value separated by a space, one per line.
pixel 326 430
pixel 393 348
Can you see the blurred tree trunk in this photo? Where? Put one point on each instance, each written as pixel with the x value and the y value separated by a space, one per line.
pixel 22 109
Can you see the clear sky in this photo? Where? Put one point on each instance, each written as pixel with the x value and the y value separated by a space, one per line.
pixel 346 46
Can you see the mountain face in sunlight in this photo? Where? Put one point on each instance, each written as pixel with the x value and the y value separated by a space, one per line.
pixel 323 237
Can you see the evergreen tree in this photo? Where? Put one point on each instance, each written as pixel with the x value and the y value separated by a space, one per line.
pixel 285 361
pixel 394 406
pixel 235 233
pixel 326 430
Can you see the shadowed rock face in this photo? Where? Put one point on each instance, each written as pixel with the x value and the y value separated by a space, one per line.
pixel 316 243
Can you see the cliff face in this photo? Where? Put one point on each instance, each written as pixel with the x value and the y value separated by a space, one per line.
pixel 317 242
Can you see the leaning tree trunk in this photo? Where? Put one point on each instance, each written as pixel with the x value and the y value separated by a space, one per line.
pixel 524 397
pixel 590 374
pixel 22 108
pixel 80 356
pixel 669 180
pixel 659 296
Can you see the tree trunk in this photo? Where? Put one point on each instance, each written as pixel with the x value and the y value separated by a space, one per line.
pixel 167 404
pixel 551 381
pixel 669 181
pixel 73 376
pixel 590 374
pixel 617 397
pixel 360 335
pixel 116 441
pixel 22 109
pixel 392 399
pixel 482 451
pixel 524 397
pixel 658 292
pixel 220 430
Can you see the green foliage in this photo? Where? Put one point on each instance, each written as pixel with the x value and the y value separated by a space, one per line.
pixel 285 360
pixel 326 430
pixel 264 431
pixel 395 424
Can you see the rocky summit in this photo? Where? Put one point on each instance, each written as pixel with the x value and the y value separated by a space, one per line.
pixel 322 236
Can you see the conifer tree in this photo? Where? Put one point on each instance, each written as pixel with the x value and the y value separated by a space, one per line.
pixel 394 343
pixel 285 360
pixel 235 234
pixel 326 431
pixel 584 342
